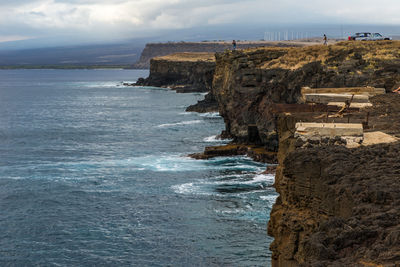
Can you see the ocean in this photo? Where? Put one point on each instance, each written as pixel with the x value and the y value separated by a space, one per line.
pixel 93 173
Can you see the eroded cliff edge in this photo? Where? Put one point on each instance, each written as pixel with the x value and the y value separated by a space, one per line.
pixel 247 83
pixel 153 50
pixel 184 72
pixel 338 206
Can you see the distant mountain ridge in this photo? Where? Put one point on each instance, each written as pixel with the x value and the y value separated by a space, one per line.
pixel 89 55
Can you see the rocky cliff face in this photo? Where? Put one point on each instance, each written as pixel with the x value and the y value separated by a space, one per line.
pixel 337 206
pixel 184 72
pixel 247 83
pixel 163 49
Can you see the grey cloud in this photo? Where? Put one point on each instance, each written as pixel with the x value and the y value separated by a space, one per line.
pixel 124 18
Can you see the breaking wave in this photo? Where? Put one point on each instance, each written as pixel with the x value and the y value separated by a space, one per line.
pixel 211 139
pixel 227 184
pixel 166 125
pixel 211 115
pixel 156 163
pixel 107 84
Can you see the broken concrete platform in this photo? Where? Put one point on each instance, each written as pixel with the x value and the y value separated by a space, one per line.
pixel 378 137
pixel 329 129
pixel 351 135
pixel 352 105
pixel 369 91
pixel 330 97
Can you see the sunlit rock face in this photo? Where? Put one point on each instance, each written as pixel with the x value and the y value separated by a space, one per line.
pixel 248 82
pixel 338 206
pixel 184 72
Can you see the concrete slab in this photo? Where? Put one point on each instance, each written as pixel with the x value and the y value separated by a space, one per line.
pixel 328 97
pixel 329 129
pixel 370 91
pixel 352 105
pixel 374 138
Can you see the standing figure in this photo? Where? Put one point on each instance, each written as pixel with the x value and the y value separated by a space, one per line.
pixel 233 45
pixel 325 40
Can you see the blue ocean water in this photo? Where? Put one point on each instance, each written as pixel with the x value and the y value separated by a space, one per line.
pixel 93 173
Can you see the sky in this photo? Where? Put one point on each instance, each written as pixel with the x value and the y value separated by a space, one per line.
pixel 107 20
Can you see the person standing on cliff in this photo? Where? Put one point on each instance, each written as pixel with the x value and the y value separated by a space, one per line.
pixel 325 40
pixel 233 45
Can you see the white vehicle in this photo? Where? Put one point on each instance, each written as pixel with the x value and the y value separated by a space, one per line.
pixel 378 37
pixel 367 36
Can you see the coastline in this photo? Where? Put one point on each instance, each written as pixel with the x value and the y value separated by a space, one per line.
pixel 259 95
pixel 183 72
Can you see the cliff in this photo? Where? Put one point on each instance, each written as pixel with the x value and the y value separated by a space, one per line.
pixel 338 206
pixel 184 72
pixel 247 83
pixel 153 50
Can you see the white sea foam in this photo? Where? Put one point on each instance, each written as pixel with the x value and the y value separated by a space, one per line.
pixel 207 186
pixel 210 115
pixel 261 178
pixel 230 211
pixel 231 176
pixel 202 94
pixel 215 139
pixel 183 188
pixel 212 138
pixel 99 84
pixel 162 163
pixel 189 189
pixel 166 125
pixel 243 178
pixel 177 163
pixel 270 198
pixel 168 163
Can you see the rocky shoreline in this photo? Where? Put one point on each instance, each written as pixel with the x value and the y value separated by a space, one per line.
pixel 208 104
pixel 333 208
pixel 338 203
pixel 256 152
pixel 338 206
pixel 183 72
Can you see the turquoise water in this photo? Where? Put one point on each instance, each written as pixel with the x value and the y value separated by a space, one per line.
pixel 93 173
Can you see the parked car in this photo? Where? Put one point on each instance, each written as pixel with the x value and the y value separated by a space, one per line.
pixel 377 37
pixel 367 36
pixel 360 36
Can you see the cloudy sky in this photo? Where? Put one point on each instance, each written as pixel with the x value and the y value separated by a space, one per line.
pixel 103 20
